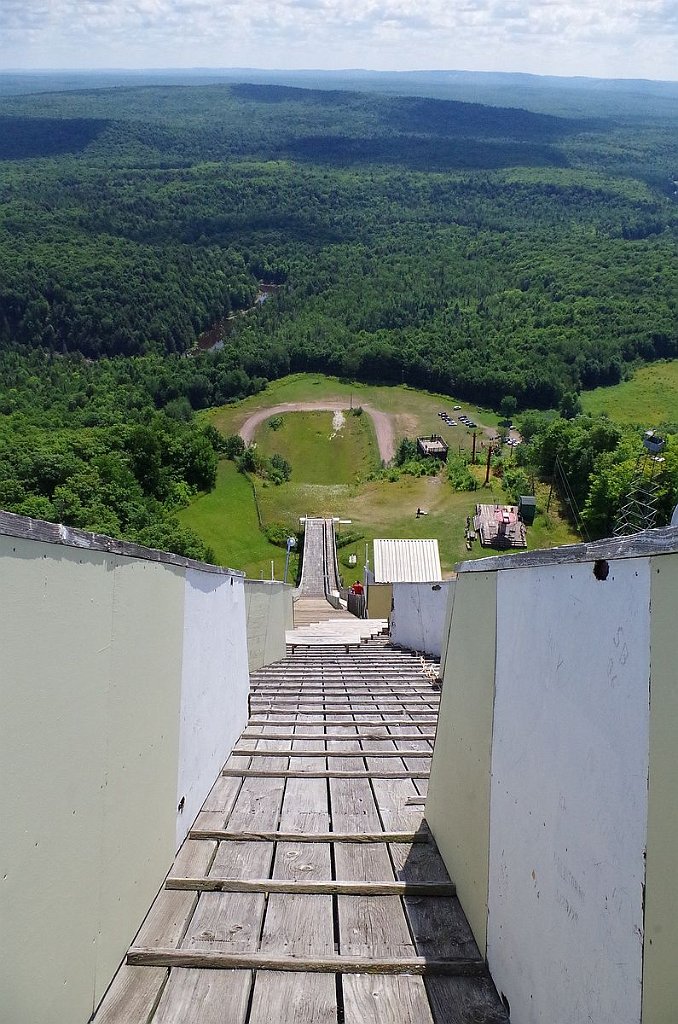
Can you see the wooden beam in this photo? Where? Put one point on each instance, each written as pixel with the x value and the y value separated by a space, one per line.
pixel 321 710
pixel 212 960
pixel 224 835
pixel 301 691
pixel 285 773
pixel 334 753
pixel 343 725
pixel 340 739
pixel 339 700
pixel 308 888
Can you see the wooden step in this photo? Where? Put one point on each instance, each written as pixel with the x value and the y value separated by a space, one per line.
pixel 159 957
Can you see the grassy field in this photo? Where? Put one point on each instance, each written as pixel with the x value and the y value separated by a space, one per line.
pixel 329 478
pixel 226 519
pixel 320 447
pixel 649 399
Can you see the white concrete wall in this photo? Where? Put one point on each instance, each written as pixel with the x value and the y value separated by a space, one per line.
pixel 660 978
pixel 554 777
pixel 458 799
pixel 569 792
pixel 214 686
pixel 269 613
pixel 417 619
pixel 110 670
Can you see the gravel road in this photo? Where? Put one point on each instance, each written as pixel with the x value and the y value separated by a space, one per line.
pixel 383 423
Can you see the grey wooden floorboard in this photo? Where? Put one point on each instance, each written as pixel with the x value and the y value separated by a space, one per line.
pixel 380 999
pixel 205 997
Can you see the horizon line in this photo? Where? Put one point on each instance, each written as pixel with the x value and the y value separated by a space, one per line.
pixel 208 69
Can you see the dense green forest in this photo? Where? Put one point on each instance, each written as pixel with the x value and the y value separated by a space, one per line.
pixel 481 251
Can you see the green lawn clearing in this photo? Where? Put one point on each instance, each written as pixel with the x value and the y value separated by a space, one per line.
pixel 321 447
pixel 226 519
pixel 649 399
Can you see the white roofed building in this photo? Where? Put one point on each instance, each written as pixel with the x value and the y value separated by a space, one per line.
pixel 406 561
pixel 399 561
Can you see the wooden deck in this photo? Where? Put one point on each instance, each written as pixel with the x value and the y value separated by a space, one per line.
pixel 309 890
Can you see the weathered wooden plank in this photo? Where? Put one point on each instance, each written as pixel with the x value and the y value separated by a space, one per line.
pixel 299 923
pixel 398 711
pixel 194 858
pixel 335 702
pixel 439 927
pixel 420 862
pixel 405 680
pixel 393 794
pixel 461 1000
pixel 168 919
pixel 259 802
pixel 371 735
pixel 204 997
pixel 132 996
pixel 391 791
pixel 293 999
pixel 242 860
pixel 230 921
pixel 359 753
pixel 374 1000
pixel 217 960
pixel 306 837
pixel 426 720
pixel 289 773
pixel 210 819
pixel 376 692
pixel 225 922
pixel 222 796
pixel 421 785
pixel 370 926
pixel 213 884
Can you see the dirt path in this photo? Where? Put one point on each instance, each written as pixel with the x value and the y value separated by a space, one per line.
pixel 383 423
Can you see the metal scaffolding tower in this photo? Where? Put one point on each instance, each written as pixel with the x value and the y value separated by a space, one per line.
pixel 639 511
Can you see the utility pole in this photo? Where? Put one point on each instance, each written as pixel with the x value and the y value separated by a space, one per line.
pixel 548 503
pixel 489 456
pixel 473 456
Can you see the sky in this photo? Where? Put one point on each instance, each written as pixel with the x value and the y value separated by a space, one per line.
pixel 598 38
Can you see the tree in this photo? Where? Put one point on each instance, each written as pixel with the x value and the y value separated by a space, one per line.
pixel 570 405
pixel 507 407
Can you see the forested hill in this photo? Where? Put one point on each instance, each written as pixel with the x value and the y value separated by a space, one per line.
pixel 586 97
pixel 462 247
pixel 467 248
pixel 476 250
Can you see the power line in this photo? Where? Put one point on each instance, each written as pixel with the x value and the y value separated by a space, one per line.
pixel 570 498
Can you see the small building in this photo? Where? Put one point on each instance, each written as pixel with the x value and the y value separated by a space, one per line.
pixel 499 526
pixel 399 561
pixel 433 447
pixel 527 508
